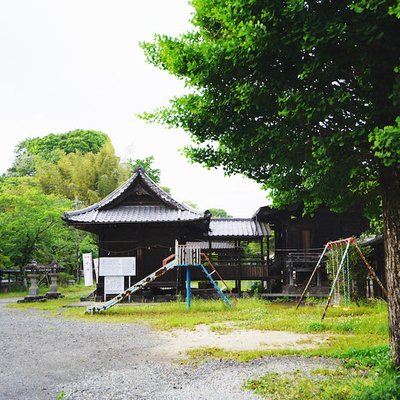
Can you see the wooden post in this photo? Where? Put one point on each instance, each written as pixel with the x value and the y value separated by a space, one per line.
pixel 371 270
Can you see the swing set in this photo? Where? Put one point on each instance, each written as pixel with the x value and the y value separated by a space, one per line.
pixel 338 251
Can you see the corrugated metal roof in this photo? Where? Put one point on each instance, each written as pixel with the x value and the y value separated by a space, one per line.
pixel 132 214
pixel 238 227
pixel 214 245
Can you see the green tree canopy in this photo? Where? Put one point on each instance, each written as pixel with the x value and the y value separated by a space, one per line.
pixel 302 96
pixel 52 146
pixel 292 94
pixel 90 176
pixel 219 213
pixel 147 165
pixel 31 227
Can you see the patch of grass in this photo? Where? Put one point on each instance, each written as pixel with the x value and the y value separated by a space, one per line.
pixel 338 385
pixel 367 374
pixel 60 396
pixel 74 292
pixel 350 323
pixel 15 293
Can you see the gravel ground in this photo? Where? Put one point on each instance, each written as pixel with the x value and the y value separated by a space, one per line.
pixel 42 356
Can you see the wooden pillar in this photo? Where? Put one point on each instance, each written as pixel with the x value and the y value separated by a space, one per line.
pixel 238 284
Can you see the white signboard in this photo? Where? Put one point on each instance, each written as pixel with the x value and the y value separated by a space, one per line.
pixel 113 284
pixel 88 269
pixel 96 268
pixel 117 266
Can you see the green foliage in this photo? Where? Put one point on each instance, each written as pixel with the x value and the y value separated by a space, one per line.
pixel 367 374
pixel 386 142
pixel 147 165
pixel 323 385
pixel 301 97
pixel 77 141
pixel 219 213
pixel 89 176
pixel 31 226
pixel 358 270
pixel 51 147
pixel 64 277
pixel 191 204
pixel 60 396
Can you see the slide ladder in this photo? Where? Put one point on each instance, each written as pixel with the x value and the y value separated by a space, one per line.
pixel 137 286
pixel 168 264
pixel 209 273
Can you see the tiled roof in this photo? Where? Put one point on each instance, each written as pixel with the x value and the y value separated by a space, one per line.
pixel 132 214
pixel 238 227
pixel 112 209
pixel 109 210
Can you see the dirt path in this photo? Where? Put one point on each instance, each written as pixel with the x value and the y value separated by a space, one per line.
pixel 181 340
pixel 42 356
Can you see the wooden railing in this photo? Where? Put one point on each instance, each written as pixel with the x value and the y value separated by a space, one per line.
pixel 294 257
pixel 240 266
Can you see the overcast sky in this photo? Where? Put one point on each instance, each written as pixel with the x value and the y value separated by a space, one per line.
pixel 76 64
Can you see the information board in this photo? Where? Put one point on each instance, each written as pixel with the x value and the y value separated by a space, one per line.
pixel 117 266
pixel 96 268
pixel 88 268
pixel 113 284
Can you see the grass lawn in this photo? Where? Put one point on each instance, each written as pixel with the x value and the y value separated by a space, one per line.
pixel 358 335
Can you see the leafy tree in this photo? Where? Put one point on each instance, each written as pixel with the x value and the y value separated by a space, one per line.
pixel 88 176
pixel 147 165
pixel 300 96
pixel 219 213
pixel 191 204
pixel 31 227
pixel 51 147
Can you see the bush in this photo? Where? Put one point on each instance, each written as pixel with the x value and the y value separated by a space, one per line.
pixel 63 278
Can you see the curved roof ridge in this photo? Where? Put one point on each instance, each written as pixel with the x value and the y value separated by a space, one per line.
pixel 231 219
pixel 119 191
pixel 163 194
pixel 96 206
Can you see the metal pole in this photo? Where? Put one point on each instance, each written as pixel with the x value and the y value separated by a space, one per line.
pixel 312 276
pixel 188 287
pixel 335 281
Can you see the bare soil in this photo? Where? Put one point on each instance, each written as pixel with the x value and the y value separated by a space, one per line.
pixel 179 341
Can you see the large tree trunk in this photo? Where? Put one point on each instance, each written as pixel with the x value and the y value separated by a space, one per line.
pixel 390 180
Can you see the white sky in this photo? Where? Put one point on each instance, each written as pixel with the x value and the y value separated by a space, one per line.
pixel 76 64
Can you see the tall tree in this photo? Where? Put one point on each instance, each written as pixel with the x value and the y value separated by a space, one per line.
pixel 147 165
pixel 52 146
pixel 219 213
pixel 302 96
pixel 31 227
pixel 88 176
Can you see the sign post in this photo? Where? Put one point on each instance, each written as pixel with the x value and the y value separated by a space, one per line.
pixel 88 268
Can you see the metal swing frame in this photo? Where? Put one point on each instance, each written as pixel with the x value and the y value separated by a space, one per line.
pixel 351 241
